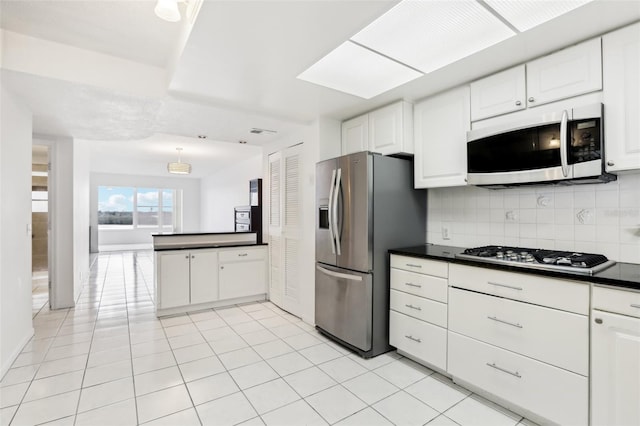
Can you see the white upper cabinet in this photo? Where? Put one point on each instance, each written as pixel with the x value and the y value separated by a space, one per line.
pixel 621 74
pixel 570 72
pixel 388 130
pixel 441 125
pixel 498 94
pixel 355 134
pixel 391 129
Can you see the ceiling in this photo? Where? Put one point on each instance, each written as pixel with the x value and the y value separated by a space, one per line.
pixel 234 69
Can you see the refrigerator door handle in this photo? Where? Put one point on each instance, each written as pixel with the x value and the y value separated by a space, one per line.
pixel 331 231
pixel 339 274
pixel 336 226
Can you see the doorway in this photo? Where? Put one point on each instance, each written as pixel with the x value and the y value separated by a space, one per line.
pixel 40 227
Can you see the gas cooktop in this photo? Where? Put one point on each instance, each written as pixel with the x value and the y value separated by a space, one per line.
pixel 552 260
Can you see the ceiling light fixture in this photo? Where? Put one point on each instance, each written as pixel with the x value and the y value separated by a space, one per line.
pixel 258 131
pixel 415 38
pixel 167 10
pixel 179 168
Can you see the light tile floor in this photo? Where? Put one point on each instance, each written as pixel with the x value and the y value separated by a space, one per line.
pixel 110 361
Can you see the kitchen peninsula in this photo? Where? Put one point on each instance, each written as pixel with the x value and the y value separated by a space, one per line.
pixel 195 271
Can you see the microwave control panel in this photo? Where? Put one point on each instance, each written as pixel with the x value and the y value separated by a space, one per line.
pixel 586 140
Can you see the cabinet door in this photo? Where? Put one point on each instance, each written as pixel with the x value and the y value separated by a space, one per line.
pixel 173 279
pixel 441 125
pixel 391 129
pixel 421 340
pixel 621 68
pixel 557 395
pixel 498 94
pixel 355 135
pixel 204 276
pixel 567 73
pixel 615 370
pixel 240 279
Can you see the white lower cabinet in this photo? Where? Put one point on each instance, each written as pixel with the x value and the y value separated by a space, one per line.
pixel 418 309
pixel 522 338
pixel 550 335
pixel 422 341
pixel 172 279
pixel 204 277
pixel 556 395
pixel 199 278
pixel 242 273
pixel 615 358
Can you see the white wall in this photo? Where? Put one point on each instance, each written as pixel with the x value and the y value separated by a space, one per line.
pixel 190 205
pixel 16 326
pixel 81 214
pixel 601 218
pixel 226 189
pixel 66 271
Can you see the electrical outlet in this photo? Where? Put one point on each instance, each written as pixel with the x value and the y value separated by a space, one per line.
pixel 446 234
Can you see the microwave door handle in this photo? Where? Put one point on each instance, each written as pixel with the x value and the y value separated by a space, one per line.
pixel 331 224
pixel 336 226
pixel 564 163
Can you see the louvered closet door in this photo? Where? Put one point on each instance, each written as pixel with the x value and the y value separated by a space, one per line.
pixel 275 228
pixel 292 158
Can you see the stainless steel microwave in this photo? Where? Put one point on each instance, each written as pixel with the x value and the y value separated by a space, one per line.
pixel 565 147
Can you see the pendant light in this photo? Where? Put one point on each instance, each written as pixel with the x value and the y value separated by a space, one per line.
pixel 179 168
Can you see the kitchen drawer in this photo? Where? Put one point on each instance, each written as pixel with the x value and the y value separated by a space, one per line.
pixel 549 335
pixel 618 301
pixel 419 284
pixel 423 341
pixel 422 266
pixel 419 307
pixel 556 293
pixel 550 392
pixel 242 254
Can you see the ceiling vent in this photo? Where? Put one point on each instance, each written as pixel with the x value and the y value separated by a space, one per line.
pixel 257 131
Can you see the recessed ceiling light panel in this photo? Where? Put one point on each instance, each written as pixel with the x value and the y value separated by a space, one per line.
pixel 526 14
pixel 428 35
pixel 353 69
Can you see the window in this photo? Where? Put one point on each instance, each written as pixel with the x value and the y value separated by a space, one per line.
pixel 147 207
pixel 129 208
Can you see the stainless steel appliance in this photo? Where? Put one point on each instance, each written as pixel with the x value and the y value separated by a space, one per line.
pixel 366 205
pixel 249 218
pixel 552 260
pixel 563 147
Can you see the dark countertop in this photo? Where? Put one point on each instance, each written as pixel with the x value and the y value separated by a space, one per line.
pixel 619 275
pixel 196 246
pixel 184 234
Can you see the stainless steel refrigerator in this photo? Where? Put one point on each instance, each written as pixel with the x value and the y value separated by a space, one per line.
pixel 365 205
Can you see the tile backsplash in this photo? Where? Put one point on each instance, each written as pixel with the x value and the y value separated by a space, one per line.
pixel 600 218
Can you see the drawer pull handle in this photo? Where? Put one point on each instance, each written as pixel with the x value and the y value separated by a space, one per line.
pixel 414 339
pixel 504 322
pixel 417 308
pixel 633 305
pixel 504 285
pixel 413 285
pixel 242 254
pixel 516 374
pixel 411 265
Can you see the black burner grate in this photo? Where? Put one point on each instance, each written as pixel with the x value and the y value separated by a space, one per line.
pixel 579 260
pixel 549 257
